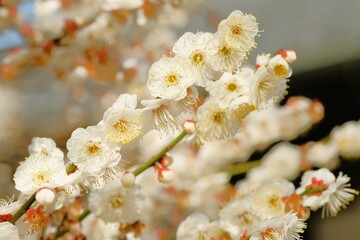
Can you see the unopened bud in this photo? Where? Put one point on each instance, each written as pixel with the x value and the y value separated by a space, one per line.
pixel 165 175
pixel 290 56
pixel 45 196
pixel 262 60
pixel 166 160
pixel 128 180
pixel 189 126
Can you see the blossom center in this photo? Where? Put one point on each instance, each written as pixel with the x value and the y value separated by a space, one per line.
pixel 231 87
pixel 197 58
pixel 280 70
pixel 225 50
pixel 236 30
pixel 172 79
pixel 246 219
pixel 274 201
pixel 124 130
pixel 116 201
pixel 218 117
pixel 93 148
pixel 41 178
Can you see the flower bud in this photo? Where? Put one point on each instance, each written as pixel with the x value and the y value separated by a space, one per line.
pixel 189 126
pixel 45 196
pixel 166 160
pixel 165 175
pixel 128 180
pixel 290 56
pixel 262 60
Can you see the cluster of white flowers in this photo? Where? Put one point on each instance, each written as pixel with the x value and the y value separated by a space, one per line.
pixel 119 200
pixel 274 210
pixel 78 40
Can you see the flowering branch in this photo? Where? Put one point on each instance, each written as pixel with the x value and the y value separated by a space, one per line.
pixel 242 167
pixel 23 209
pixel 158 156
pixel 32 199
pixel 67 229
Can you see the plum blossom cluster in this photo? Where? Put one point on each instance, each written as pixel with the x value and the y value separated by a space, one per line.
pixel 274 210
pixel 80 40
pixel 103 189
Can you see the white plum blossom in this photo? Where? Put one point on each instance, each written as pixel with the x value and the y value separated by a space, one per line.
pixel 170 77
pixel 320 189
pixel 198 226
pixel 46 147
pixel 163 115
pixel 237 217
pixel 266 89
pixel 91 152
pixel 288 227
pixel 347 139
pixel 283 161
pixel 321 154
pixel 193 47
pixel 38 171
pixel 115 203
pixel 223 56
pixel 315 187
pixel 123 122
pixel 239 30
pixel 216 122
pixel 279 67
pixel 95 228
pixel 232 87
pixel 267 200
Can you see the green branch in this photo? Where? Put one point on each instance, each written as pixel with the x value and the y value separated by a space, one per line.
pixel 32 199
pixel 241 167
pixel 23 209
pixel 158 156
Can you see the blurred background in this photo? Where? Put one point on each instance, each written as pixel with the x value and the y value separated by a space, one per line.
pixel 324 33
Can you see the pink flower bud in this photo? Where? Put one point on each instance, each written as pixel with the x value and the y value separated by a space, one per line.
pixel 189 126
pixel 290 56
pixel 165 175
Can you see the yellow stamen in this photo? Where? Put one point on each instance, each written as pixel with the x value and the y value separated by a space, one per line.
pixel 236 30
pixel 197 58
pixel 280 70
pixel 231 87
pixel 116 201
pixel 225 50
pixel 218 117
pixel 172 79
pixel 93 148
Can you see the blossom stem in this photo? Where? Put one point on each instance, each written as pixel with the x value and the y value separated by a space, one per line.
pixel 84 215
pixel 71 168
pixel 62 232
pixel 158 156
pixel 67 229
pixel 242 167
pixel 23 209
pixel 313 190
